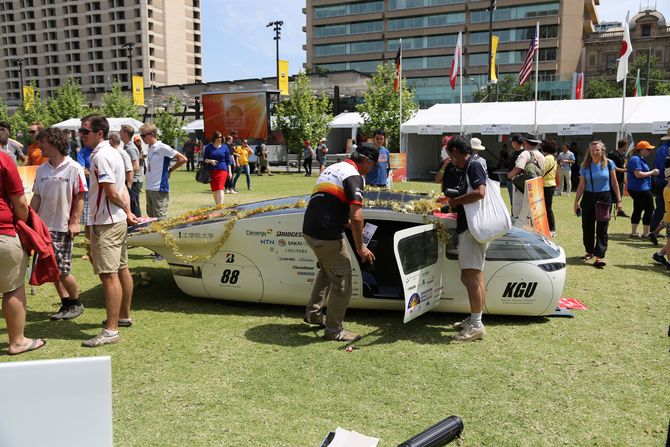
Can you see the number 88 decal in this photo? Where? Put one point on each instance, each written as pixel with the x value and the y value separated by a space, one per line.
pixel 230 276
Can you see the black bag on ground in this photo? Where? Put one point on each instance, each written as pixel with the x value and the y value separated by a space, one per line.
pixel 438 435
pixel 203 175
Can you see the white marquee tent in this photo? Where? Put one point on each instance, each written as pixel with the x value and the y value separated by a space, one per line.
pixel 420 135
pixel 194 125
pixel 114 124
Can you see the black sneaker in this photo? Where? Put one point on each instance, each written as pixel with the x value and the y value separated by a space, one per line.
pixel 653 238
pixel 661 260
pixel 73 311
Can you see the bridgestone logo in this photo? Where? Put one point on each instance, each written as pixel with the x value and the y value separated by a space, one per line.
pixel 289 233
pixel 519 289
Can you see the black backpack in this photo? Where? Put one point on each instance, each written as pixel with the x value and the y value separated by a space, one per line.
pixel 258 151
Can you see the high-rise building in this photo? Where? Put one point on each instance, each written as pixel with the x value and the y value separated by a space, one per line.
pixel 348 35
pixel 89 41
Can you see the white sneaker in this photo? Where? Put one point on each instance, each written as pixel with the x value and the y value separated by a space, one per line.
pixel 461 325
pixel 471 334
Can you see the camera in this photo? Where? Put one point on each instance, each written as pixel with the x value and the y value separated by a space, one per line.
pixel 452 192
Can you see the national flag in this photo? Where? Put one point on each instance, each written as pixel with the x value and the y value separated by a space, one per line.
pixel 638 85
pixel 396 76
pixel 579 88
pixel 527 66
pixel 458 55
pixel 624 52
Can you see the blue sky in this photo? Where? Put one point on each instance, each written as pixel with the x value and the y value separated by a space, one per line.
pixel 237 44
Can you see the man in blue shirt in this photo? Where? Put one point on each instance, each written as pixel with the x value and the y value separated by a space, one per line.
pixel 377 176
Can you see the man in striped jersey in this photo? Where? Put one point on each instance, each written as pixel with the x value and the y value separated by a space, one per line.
pixel 336 203
pixel 58 198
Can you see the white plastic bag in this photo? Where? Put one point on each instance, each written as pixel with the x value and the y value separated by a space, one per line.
pixel 488 219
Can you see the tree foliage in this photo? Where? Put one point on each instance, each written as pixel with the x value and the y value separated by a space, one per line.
pixel 69 102
pixel 168 123
pixel 659 80
pixel 116 104
pixel 381 105
pixel 508 90
pixel 26 114
pixel 303 116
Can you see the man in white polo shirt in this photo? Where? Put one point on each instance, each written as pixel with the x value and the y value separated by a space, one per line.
pixel 58 198
pixel 158 171
pixel 109 217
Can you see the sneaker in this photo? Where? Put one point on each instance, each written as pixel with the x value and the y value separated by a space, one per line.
pixel 471 334
pixel 319 320
pixel 341 336
pixel 653 238
pixel 635 235
pixel 660 259
pixel 622 214
pixel 73 311
pixel 599 263
pixel 464 324
pixel 101 339
pixel 61 311
pixel 157 258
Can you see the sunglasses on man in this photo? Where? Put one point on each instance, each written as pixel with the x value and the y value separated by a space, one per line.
pixel 84 131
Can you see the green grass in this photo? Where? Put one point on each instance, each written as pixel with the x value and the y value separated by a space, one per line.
pixel 202 372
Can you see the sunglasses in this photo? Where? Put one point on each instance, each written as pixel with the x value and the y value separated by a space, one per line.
pixel 144 135
pixel 84 131
pixel 32 131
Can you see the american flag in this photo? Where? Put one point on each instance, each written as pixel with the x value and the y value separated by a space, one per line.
pixel 527 66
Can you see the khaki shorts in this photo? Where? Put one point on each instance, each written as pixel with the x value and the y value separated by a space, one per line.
pixel 471 253
pixel 157 204
pixel 666 199
pixel 14 263
pixel 109 252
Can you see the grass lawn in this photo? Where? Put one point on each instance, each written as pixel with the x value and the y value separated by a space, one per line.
pixel 202 372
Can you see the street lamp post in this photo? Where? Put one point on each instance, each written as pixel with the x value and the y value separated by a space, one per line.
pixel 19 63
pixel 130 46
pixel 277 29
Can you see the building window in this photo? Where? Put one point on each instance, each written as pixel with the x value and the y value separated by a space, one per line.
pixel 348 9
pixel 646 30
pixel 611 61
pixel 426 21
pixel 349 28
pixel 514 35
pixel 407 4
pixel 516 13
pixel 418 43
pixel 370 46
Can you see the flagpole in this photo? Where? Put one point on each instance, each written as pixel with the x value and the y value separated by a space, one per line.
pixel 623 106
pixel 537 73
pixel 460 72
pixel 400 93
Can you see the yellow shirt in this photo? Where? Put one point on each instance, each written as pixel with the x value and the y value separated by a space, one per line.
pixel 549 177
pixel 243 154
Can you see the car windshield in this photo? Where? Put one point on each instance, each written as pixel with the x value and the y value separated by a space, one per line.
pixel 522 245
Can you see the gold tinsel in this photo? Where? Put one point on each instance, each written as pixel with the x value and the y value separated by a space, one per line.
pixel 423 206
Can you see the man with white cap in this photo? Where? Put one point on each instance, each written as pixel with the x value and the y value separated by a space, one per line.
pixel 530 152
pixel 477 146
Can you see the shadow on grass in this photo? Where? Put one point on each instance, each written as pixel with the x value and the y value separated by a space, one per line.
pixel 657 268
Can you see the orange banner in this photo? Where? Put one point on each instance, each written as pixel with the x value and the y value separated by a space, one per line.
pixel 398 163
pixel 538 210
pixel 244 112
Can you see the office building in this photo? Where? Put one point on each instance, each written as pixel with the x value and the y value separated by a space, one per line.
pixel 88 40
pixel 344 35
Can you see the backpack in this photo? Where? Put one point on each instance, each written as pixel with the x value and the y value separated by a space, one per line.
pixel 258 151
pixel 530 171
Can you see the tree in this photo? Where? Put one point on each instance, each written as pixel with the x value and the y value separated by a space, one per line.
pixel 168 123
pixel 116 104
pixel 602 88
pixel 381 105
pixel 659 80
pixel 26 114
pixel 4 114
pixel 69 102
pixel 303 116
pixel 509 90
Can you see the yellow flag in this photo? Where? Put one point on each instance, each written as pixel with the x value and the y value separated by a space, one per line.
pixel 494 49
pixel 138 90
pixel 283 77
pixel 28 97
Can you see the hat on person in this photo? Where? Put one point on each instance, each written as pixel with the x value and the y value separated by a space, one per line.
pixel 532 139
pixel 644 145
pixel 667 137
pixel 476 144
pixel 322 140
pixel 369 150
